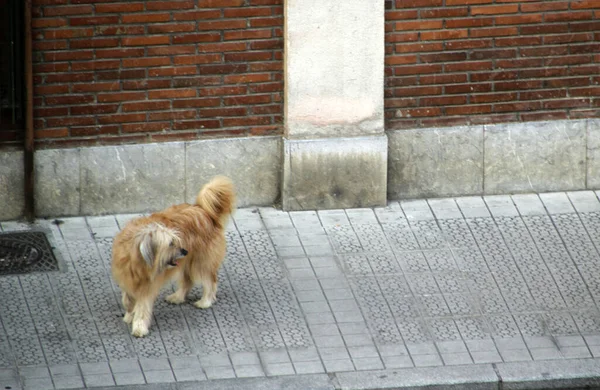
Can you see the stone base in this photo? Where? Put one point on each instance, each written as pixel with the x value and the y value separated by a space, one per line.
pixel 494 159
pixel 139 178
pixel 334 173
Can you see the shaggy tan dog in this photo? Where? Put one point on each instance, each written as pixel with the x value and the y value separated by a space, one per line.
pixel 184 242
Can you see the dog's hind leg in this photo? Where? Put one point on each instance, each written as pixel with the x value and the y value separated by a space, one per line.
pixel 142 316
pixel 128 304
pixel 185 285
pixel 209 291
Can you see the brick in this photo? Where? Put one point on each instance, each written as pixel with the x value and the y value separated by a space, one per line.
pixel 568 38
pixel 170 50
pixel 196 15
pixel 494 76
pixel 513 85
pixel 51 133
pixel 443 79
pixel 568 16
pixel 50 89
pixel 568 60
pixel 520 106
pixel 68 10
pixel 169 5
pixel 248 56
pixel 49 45
pixel 469 22
pixel 70 99
pixel 171 93
pixel 204 102
pixel 444 12
pixel 518 41
pixel 122 118
pixel 266 44
pixel 444 34
pixel 400 60
pixel 146 40
pixel 146 84
pixel 418 69
pixel 468 110
pixel 171 115
pixel 494 32
pixel 222 25
pixel 418 3
pixel 246 121
pixel 419 25
pixel 119 53
pixel 70 121
pixel 401 15
pixel 542 94
pixel 146 62
pixel 226 111
pixel 93 20
pixel 220 3
pixel 197 59
pixel 197 124
pixel 246 12
pixel 468 88
pixel 466 66
pixel 119 7
pixel 404 37
pixel 544 29
pixel 95 87
pixel 544 51
pixel 197 81
pixel 93 43
pixel 495 9
pixel 171 28
pixel 48 22
pixel 543 116
pixel 120 96
pixel 121 74
pixel 196 38
pixel 443 57
pixel 566 103
pixel 418 47
pixel 469 44
pixel 247 78
pixel 172 71
pixel 119 30
pixel 146 106
pixel 443 100
pixel 583 4
pixel 544 6
pixel 68 55
pixel 146 18
pixel 247 34
pixel 518 19
pixel 493 97
pixel 52 111
pixel 68 33
pixel 94 130
pixel 94 109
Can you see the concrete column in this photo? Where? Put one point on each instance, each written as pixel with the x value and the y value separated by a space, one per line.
pixel 335 148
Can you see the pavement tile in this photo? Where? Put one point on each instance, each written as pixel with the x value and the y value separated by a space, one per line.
pixel 68 382
pixel 418 283
pixel 129 378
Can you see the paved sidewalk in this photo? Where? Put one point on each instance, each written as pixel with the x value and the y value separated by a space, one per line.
pixel 487 291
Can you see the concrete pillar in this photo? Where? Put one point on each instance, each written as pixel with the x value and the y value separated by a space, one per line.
pixel 335 148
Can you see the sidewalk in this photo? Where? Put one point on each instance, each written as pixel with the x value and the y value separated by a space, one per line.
pixel 494 292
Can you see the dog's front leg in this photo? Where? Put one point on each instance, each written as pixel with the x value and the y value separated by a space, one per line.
pixel 128 305
pixel 142 316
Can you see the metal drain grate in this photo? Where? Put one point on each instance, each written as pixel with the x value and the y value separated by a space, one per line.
pixel 25 252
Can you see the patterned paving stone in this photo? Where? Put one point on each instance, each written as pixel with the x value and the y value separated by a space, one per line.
pixel 327 291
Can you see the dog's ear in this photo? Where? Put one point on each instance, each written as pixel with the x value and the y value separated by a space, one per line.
pixel 147 249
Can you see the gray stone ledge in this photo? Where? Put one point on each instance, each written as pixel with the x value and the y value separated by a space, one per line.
pixel 563 374
pixel 332 173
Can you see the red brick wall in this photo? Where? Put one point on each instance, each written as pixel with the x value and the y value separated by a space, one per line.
pixel 112 72
pixel 453 62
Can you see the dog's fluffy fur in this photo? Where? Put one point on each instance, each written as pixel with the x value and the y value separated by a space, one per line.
pixel 184 242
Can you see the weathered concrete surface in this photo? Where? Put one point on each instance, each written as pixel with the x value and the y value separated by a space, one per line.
pixel 593 153
pixel 334 53
pixel 535 157
pixel 254 165
pixel 435 162
pixel 335 172
pixel 12 200
pixel 132 178
pixel 57 182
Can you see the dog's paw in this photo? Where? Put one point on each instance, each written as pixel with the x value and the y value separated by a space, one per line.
pixel 175 299
pixel 127 318
pixel 203 303
pixel 139 330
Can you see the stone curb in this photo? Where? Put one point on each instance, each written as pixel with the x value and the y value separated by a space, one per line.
pixel 572 374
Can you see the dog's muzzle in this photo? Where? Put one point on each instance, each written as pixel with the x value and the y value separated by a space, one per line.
pixel 173 262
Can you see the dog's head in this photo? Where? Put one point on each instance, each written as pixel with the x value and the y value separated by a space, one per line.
pixel 160 247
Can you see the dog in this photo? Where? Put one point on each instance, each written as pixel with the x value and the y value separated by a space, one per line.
pixel 184 242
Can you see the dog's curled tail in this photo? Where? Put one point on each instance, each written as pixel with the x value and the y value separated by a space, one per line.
pixel 217 198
